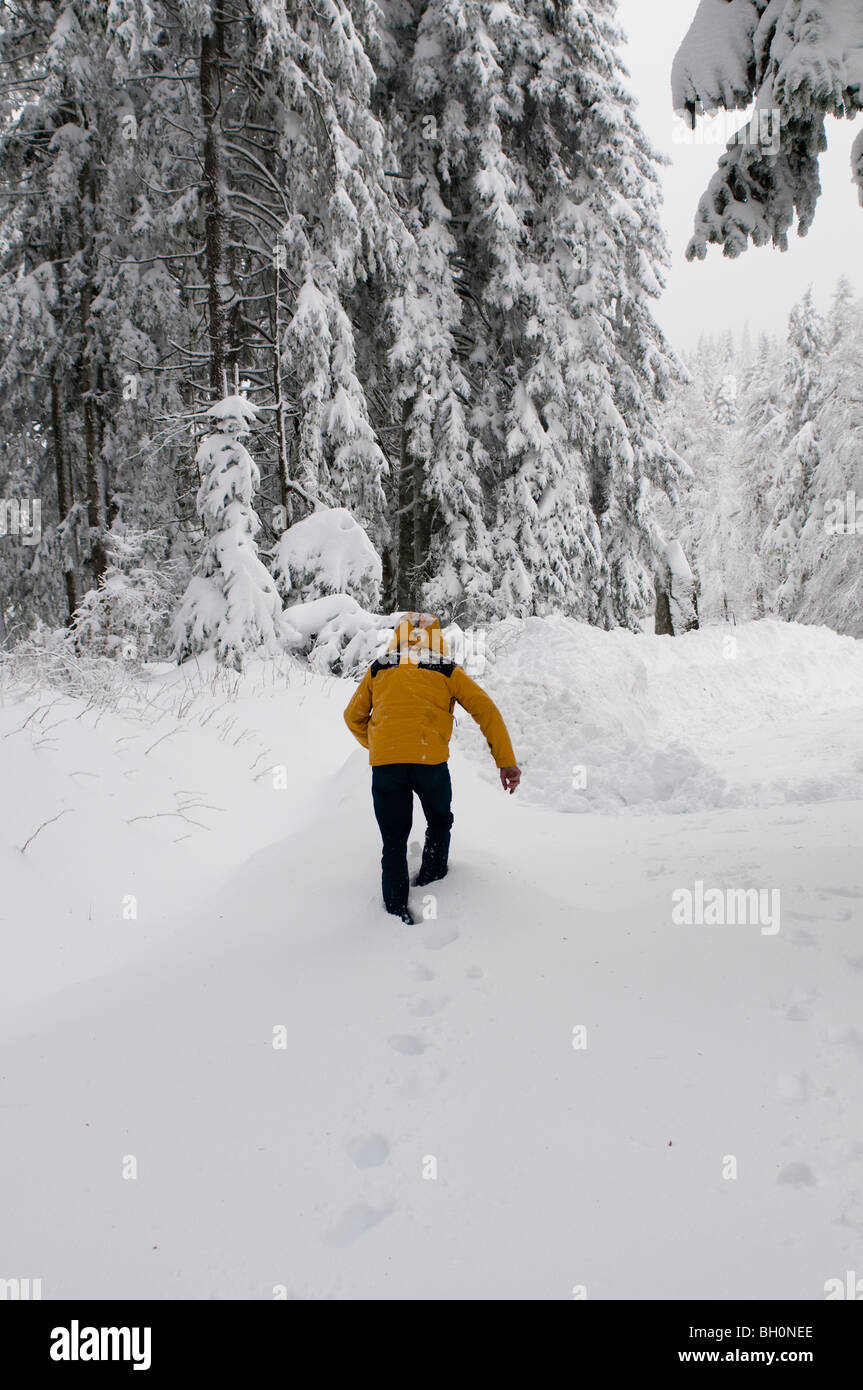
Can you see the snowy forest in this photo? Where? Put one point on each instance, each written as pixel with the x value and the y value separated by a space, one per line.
pixel 355 299
pixel 773 429
pixel 421 251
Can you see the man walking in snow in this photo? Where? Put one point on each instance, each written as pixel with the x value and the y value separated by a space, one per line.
pixel 402 713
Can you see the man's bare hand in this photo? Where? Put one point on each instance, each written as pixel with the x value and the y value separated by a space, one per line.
pixel 510 778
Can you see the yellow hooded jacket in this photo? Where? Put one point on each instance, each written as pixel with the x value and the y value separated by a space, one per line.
pixel 402 708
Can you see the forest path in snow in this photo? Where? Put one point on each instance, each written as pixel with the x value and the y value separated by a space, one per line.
pixel 321 1100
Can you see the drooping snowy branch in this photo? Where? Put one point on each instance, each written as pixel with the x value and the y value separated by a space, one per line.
pixel 798 61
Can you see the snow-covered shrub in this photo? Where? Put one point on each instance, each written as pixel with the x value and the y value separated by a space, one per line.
pixel 327 553
pixel 231 605
pixel 335 634
pixel 128 614
pixel 48 659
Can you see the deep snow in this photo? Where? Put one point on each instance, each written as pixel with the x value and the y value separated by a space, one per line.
pixel 300 1168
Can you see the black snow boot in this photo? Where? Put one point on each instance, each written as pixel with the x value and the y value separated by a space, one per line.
pixel 433 867
pixel 404 914
pixel 434 861
pixel 428 876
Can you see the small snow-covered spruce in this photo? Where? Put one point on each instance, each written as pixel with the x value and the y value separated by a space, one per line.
pixel 800 63
pixel 128 613
pixel 231 605
pixel 327 552
pixel 725 401
pixel 329 573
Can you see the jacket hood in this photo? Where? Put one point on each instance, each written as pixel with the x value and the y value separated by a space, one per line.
pixel 417 633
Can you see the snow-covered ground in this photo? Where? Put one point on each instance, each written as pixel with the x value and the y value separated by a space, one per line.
pixel 539 1089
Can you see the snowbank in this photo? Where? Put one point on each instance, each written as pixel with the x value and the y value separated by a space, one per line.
pixel 616 721
pixel 137 795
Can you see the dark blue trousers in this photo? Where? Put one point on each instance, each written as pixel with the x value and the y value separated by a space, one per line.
pixel 393 787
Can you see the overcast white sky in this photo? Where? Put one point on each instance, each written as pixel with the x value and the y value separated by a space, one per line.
pixel 761 286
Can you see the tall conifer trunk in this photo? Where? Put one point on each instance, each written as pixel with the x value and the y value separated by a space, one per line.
pixel 404 586
pixel 88 377
pixel 64 494
pixel 215 217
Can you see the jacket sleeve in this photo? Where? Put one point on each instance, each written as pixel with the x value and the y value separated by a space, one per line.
pixel 359 710
pixel 487 715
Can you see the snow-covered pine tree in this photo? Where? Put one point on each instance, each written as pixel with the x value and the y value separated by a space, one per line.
pixel 231 605
pixel 804 364
pixel 843 319
pixel 800 61
pixel 538 171
pixel 725 400
pixel 700 423
pixel 831 588
pixel 791 500
pixel 338 458
pixel 758 444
